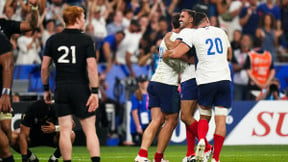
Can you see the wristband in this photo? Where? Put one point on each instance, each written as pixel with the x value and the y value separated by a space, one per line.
pixel 94 90
pixel 46 87
pixel 57 128
pixel 6 91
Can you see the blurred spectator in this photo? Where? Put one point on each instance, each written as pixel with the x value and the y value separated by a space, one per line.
pixel 127 18
pixel 284 21
pixel 161 30
pixel 208 8
pixel 128 50
pixel 249 18
pixel 116 25
pixel 59 28
pixel 99 22
pixel 260 69
pixel 235 44
pixel 228 11
pixel 48 30
pixel 110 45
pixel 140 113
pixel 270 7
pixel 29 47
pixel 269 34
pixel 272 92
pixel 16 97
pixel 240 77
pixel 54 10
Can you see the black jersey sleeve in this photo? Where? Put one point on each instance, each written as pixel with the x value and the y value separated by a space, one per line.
pixel 28 117
pixel 47 50
pixel 10 27
pixel 90 51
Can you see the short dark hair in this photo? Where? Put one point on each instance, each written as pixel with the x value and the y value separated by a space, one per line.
pixel 192 13
pixel 199 18
pixel 120 32
pixel 175 20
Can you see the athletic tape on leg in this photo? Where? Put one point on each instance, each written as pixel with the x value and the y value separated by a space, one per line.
pixel 205 112
pixel 221 111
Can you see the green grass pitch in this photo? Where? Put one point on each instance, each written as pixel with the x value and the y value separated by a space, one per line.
pixel 174 153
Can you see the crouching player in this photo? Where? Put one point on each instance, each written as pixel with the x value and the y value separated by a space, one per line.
pixel 38 128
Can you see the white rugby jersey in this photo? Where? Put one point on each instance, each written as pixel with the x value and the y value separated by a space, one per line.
pixel 188 73
pixel 164 73
pixel 211 45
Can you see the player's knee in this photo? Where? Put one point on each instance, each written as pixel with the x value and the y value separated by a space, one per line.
pixel 185 117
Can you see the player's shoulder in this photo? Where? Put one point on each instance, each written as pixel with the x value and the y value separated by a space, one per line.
pixel 188 30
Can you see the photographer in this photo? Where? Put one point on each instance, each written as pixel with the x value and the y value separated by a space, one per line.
pixel 272 92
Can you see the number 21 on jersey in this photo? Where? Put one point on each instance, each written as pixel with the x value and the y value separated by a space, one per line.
pixel 64 58
pixel 215 46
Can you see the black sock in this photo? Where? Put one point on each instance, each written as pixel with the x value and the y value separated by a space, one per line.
pixel 57 153
pixel 24 158
pixel 67 160
pixel 95 159
pixel 8 159
pixel 29 153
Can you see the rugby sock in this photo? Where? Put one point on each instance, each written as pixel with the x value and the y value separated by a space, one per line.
pixel 95 159
pixel 158 157
pixel 57 153
pixel 191 134
pixel 29 153
pixel 67 160
pixel 218 143
pixel 24 158
pixel 8 159
pixel 202 128
pixel 143 153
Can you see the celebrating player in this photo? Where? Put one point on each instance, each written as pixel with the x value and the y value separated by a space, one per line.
pixel 75 57
pixel 164 102
pixel 189 91
pixel 212 76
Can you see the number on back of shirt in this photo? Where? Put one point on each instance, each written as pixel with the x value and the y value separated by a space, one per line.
pixel 215 46
pixel 161 50
pixel 65 57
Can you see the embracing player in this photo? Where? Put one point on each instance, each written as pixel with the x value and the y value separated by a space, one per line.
pixel 164 102
pixel 212 76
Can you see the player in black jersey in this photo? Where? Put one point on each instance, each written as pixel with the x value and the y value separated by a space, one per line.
pixel 39 128
pixel 74 55
pixel 7 28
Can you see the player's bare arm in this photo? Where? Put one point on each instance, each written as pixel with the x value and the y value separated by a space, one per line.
pixel 45 78
pixel 23 138
pixel 6 60
pixel 177 52
pixel 169 43
pixel 92 102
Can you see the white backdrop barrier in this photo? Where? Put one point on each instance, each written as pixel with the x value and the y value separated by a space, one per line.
pixel 249 123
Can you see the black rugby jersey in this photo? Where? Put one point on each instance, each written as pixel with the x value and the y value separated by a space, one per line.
pixel 9 27
pixel 34 118
pixel 69 51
